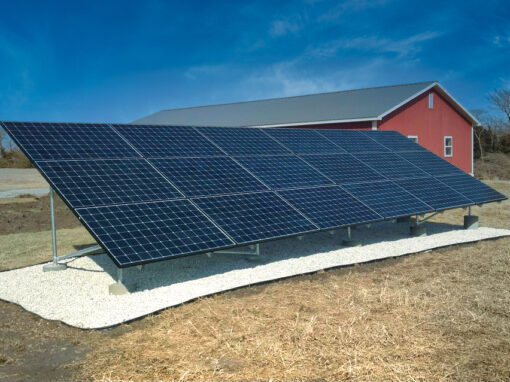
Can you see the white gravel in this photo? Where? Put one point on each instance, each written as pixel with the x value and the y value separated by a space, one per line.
pixel 79 296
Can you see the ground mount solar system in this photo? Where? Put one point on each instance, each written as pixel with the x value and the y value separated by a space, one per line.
pixel 151 193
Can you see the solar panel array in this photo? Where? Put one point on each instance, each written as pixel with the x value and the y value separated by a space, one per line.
pixel 149 193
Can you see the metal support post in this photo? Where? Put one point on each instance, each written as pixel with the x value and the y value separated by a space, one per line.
pixel 349 242
pixel 54 266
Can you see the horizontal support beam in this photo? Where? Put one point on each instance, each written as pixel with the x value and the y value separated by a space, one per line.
pixel 82 252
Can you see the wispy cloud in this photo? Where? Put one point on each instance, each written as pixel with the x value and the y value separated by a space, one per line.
pixel 406 47
pixel 350 6
pixel 501 40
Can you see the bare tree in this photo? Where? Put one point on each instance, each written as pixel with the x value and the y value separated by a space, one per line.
pixel 501 99
pixel 478 130
pixel 3 138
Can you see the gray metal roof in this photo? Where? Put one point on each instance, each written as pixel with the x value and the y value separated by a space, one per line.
pixel 347 105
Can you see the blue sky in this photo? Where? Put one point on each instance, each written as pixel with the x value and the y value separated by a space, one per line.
pixel 119 61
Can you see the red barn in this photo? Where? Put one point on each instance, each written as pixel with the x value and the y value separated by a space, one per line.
pixel 423 111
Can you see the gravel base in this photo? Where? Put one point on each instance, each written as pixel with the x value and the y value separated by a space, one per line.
pixel 79 295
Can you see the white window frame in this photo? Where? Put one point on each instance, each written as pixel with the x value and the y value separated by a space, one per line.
pixel 431 100
pixel 448 146
pixel 414 138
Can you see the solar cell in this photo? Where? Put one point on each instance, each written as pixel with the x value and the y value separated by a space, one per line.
pixel 48 141
pixel 342 168
pixel 390 165
pixel 208 176
pixel 329 207
pixel 388 199
pixel 352 141
pixel 472 188
pixel 249 218
pixel 144 232
pixel 302 141
pixel 431 163
pixel 393 140
pixel 111 181
pixel 167 141
pixel 435 193
pixel 283 171
pixel 243 141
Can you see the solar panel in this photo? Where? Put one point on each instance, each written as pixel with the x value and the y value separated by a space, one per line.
pixel 283 171
pixel 342 168
pixel 352 141
pixel 388 199
pixel 329 207
pixel 100 182
pixel 390 165
pixel 49 141
pixel 393 140
pixel 243 141
pixel 144 232
pixel 249 218
pixel 208 176
pixel 472 188
pixel 431 163
pixel 167 141
pixel 435 193
pixel 304 141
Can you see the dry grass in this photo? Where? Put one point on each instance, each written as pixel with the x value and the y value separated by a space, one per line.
pixel 15 159
pixel 438 316
pixel 493 166
pixel 22 249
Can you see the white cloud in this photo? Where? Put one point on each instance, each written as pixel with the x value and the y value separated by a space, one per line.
pixel 283 27
pixel 406 47
pixel 287 78
pixel 349 6
pixel 501 40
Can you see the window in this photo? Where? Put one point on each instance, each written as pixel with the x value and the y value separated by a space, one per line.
pixel 431 100
pixel 448 146
pixel 413 138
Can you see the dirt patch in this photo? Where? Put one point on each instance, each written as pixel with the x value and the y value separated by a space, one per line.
pixel 34 216
pixel 493 166
pixel 33 349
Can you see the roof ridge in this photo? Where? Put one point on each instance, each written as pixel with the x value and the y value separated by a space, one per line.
pixel 299 96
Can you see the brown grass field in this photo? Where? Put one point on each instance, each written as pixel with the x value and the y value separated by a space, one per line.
pixel 442 315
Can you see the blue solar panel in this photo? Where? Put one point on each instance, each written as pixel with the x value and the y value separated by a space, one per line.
pixel 342 168
pixel 100 182
pixel 249 218
pixel 302 141
pixel 390 165
pixel 393 140
pixel 472 188
pixel 435 193
pixel 283 171
pixel 208 176
pixel 352 141
pixel 329 207
pixel 167 141
pixel 144 232
pixel 388 199
pixel 431 163
pixel 49 141
pixel 243 141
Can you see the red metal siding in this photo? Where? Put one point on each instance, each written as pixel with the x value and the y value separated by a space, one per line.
pixel 432 125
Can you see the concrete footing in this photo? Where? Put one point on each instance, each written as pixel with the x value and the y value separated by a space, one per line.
pixel 54 267
pixel 117 289
pixel 404 219
pixel 351 243
pixel 418 230
pixel 470 222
